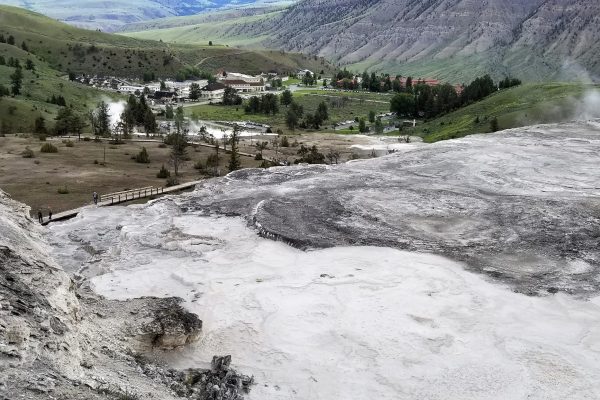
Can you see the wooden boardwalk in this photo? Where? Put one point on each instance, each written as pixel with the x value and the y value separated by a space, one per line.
pixel 122 198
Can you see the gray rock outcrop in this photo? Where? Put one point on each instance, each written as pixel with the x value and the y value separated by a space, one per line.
pixel 59 339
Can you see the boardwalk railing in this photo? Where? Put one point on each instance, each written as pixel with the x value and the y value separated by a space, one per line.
pixel 121 197
pixel 128 195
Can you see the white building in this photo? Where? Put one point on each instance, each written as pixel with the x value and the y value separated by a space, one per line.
pixel 303 72
pixel 245 87
pixel 130 88
pixel 183 88
pixel 212 91
pixel 235 76
pixel 241 82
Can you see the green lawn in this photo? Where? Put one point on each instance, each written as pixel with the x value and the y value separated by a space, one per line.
pixel 348 110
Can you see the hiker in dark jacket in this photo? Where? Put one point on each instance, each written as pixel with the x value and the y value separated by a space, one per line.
pixel 40 217
pixel 49 213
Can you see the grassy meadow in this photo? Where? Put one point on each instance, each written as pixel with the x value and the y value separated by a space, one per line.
pixel 355 105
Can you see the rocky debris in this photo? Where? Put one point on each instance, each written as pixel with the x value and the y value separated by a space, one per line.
pixel 60 340
pixel 220 382
pixel 171 326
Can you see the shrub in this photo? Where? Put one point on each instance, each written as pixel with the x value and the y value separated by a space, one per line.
pixel 143 157
pixel 258 157
pixel 42 138
pixel 86 139
pixel 27 153
pixel 212 160
pixel 285 142
pixel 494 125
pixel 48 148
pixel 95 161
pixel 163 173
pixel 172 181
pixel 69 143
pixel 198 165
pixel 63 190
pixel 162 146
pixel 97 140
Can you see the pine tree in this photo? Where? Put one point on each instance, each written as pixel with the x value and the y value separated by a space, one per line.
pixel 494 125
pixel 16 79
pixel 234 160
pixel 102 123
pixel 286 98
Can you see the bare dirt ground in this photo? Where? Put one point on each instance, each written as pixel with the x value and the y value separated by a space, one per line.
pixel 36 181
pixel 343 144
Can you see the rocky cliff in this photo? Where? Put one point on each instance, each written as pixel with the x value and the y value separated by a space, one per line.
pixel 59 339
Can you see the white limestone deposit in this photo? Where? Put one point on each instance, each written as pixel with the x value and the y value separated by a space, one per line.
pixel 445 320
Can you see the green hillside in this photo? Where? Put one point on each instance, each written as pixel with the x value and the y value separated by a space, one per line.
pixel 520 106
pixel 67 48
pixel 19 112
pixel 230 27
pixel 56 49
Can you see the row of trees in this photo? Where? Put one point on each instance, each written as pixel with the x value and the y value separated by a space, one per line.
pixel 309 79
pixel 12 41
pixel 194 73
pixel 265 104
pixel 431 101
pixel 136 113
pixel 58 100
pixel 295 116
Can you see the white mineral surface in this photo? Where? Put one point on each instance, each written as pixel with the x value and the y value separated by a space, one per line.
pixel 461 270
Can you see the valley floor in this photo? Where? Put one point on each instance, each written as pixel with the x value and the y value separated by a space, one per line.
pixel 36 181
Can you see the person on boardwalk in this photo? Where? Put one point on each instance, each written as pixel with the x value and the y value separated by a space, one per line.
pixel 49 214
pixel 95 196
pixel 40 217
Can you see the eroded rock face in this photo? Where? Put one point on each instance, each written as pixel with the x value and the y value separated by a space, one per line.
pixel 59 339
pixel 530 38
pixel 170 326
pixel 38 307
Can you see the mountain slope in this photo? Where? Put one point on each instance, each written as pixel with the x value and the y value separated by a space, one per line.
pixel 531 38
pixel 448 39
pixel 68 48
pixel 109 15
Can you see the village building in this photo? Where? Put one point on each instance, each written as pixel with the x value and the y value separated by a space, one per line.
pixel 213 91
pixel 165 97
pixel 241 82
pixel 130 89
pixel 245 87
pixel 303 72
